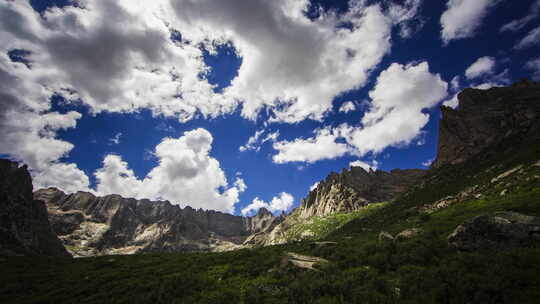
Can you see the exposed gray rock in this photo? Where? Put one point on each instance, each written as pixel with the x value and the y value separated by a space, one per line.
pixel 112 224
pixel 24 226
pixel 385 237
pixel 485 117
pixel 495 231
pixel 302 261
pixel 408 234
pixel 353 189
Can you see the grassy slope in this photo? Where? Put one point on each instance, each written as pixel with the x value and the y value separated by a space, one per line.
pixel 362 270
pixel 319 227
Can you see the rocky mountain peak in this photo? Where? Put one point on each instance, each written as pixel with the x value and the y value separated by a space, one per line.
pixel 352 189
pixel 484 117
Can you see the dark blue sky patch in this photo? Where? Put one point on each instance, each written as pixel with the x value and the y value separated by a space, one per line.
pixel 313 12
pixel 176 36
pixel 223 65
pixel 43 5
pixel 19 55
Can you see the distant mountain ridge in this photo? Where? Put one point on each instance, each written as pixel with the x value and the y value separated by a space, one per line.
pixel 91 225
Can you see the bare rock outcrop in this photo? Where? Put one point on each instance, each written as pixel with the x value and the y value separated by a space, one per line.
pixel 24 225
pixel 353 189
pixel 302 261
pixel 485 117
pixel 496 231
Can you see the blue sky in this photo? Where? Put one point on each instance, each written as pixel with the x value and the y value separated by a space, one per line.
pixel 99 116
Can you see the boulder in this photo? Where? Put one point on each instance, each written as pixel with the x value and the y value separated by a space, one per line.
pixel 302 261
pixel 385 237
pixel 495 231
pixel 408 234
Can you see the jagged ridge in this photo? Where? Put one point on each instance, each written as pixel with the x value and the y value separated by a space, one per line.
pixel 91 225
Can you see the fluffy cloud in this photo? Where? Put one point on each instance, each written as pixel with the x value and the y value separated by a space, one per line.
pixel 373 165
pixel 347 107
pixel 396 114
pixel 482 66
pixel 29 128
pixel 463 17
pixel 186 175
pixel 314 186
pixel 306 63
pixel 532 38
pixel 516 25
pixel 136 66
pixel 278 203
pixel 322 146
pixel 395 118
pixel 406 16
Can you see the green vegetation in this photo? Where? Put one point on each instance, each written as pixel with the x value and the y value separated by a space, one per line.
pixel 361 269
pixel 319 227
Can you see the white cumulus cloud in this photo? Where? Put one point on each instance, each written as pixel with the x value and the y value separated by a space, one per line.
pixel 373 165
pixel 186 174
pixel 306 63
pixel 322 146
pixel 482 66
pixel 396 114
pixel 395 118
pixel 278 203
pixel 463 17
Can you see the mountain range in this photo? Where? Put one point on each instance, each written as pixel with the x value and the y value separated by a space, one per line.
pixel 88 225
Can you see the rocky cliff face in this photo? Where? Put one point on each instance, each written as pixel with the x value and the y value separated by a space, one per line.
pixel 484 117
pixel 349 191
pixel 24 226
pixel 90 225
pixel 355 188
